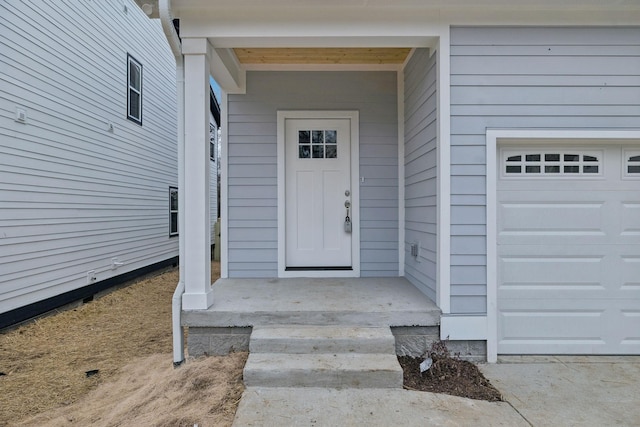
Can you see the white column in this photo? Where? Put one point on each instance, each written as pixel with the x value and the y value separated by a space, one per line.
pixel 443 286
pixel 197 232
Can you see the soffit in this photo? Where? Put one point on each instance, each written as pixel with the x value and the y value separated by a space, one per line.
pixel 342 56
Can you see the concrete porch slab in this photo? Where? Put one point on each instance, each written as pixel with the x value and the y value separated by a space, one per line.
pixel 392 301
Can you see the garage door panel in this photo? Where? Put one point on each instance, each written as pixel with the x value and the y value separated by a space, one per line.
pixel 556 222
pixel 526 218
pixel 596 271
pixel 548 325
pixel 563 276
pixel 538 184
pixel 556 328
pixel 630 272
pixel 551 218
pixel 631 317
pixel 630 326
pixel 630 219
pixel 570 292
pixel 545 346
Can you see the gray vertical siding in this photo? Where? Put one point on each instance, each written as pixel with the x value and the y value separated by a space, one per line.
pixel 72 194
pixel 527 77
pixel 252 174
pixel 420 162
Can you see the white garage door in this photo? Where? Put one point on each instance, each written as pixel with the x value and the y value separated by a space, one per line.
pixel 569 250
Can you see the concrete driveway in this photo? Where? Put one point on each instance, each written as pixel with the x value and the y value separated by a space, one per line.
pixel 539 391
pixel 570 390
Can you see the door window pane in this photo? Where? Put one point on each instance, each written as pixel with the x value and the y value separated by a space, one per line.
pixel 304 137
pixel 331 151
pixel 318 151
pixel 304 152
pixel 318 137
pixel 330 137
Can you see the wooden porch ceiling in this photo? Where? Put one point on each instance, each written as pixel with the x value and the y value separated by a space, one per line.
pixel 322 55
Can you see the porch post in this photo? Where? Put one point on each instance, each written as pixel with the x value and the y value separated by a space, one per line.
pixel 197 232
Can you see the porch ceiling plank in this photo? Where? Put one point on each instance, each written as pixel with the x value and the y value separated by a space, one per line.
pixel 322 55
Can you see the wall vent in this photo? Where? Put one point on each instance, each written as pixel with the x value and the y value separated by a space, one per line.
pixel 415 249
pixel 21 115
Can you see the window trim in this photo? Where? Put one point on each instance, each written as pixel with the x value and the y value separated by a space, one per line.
pixel 131 60
pixel 627 156
pixel 173 212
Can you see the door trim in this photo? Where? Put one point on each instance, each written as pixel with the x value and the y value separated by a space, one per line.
pixel 353 116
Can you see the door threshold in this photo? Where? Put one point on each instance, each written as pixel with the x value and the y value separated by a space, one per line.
pixel 349 268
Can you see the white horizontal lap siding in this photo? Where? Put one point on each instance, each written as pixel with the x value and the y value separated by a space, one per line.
pixel 420 165
pixel 526 77
pixel 73 194
pixel 252 172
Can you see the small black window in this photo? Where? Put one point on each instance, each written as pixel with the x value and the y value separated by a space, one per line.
pixel 633 164
pixel 134 90
pixel 514 169
pixel 551 169
pixel 532 169
pixel 173 211
pixel 212 140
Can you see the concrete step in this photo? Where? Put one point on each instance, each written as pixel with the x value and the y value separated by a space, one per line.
pixel 301 339
pixel 340 370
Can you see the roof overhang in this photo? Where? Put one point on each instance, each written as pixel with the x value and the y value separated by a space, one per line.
pixel 310 32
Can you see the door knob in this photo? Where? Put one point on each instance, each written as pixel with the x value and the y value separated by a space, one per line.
pixel 347 204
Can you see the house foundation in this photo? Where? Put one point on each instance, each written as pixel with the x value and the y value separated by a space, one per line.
pixel 241 304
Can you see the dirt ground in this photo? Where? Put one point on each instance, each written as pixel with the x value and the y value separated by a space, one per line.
pixel 48 367
pixel 446 373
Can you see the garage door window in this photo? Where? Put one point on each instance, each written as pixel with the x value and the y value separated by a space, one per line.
pixel 552 163
pixel 632 168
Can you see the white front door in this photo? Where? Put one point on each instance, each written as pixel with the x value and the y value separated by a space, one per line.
pixel 318 184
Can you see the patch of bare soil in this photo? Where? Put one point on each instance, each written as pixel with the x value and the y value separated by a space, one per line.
pixel 56 361
pixel 448 375
pixel 150 392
